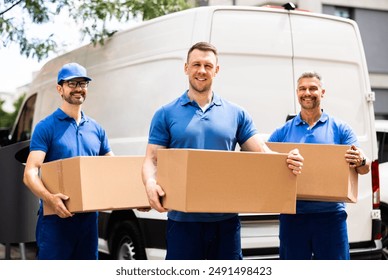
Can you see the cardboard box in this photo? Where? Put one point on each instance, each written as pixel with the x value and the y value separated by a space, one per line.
pixel 226 182
pixel 326 176
pixel 96 183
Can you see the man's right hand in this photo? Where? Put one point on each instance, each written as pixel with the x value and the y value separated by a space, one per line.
pixel 56 203
pixel 154 193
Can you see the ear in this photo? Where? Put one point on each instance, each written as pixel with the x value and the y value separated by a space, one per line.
pixel 186 68
pixel 60 90
pixel 323 93
pixel 217 69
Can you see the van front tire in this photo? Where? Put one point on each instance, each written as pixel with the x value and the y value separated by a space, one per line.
pixel 126 242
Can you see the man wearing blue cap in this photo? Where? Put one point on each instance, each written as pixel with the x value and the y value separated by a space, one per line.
pixel 66 133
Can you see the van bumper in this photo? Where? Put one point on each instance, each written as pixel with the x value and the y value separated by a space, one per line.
pixel 366 251
pixel 369 250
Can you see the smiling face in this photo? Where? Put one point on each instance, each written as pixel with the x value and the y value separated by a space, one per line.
pixel 201 69
pixel 74 96
pixel 310 93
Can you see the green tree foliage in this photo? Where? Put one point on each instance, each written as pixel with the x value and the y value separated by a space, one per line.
pixel 16 16
pixel 7 119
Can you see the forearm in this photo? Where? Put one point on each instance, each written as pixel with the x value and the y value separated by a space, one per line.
pixel 149 171
pixel 34 183
pixel 255 144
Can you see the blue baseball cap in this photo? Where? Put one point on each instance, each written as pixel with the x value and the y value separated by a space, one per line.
pixel 71 71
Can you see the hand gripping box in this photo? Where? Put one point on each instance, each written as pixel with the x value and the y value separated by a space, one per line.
pixel 96 182
pixel 326 176
pixel 226 181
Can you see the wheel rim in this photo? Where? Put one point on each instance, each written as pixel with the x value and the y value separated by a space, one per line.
pixel 127 250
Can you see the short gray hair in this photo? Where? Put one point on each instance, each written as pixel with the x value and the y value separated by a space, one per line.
pixel 311 74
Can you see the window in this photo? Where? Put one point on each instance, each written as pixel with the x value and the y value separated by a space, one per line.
pixel 344 12
pixel 23 128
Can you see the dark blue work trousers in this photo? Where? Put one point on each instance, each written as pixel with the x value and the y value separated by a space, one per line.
pixel 321 236
pixel 74 238
pixel 204 240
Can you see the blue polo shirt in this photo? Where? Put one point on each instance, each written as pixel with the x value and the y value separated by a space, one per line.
pixel 59 136
pixel 327 130
pixel 183 124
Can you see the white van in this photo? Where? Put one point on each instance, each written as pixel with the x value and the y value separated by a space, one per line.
pixel 262 51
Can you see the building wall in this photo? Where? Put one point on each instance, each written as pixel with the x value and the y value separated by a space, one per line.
pixel 373 25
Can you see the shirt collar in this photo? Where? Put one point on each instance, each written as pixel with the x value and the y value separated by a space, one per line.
pixel 184 99
pixel 63 116
pixel 324 117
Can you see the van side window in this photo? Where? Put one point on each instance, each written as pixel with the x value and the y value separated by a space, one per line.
pixel 23 127
pixel 382 142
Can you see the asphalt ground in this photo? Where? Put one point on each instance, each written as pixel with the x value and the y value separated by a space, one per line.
pixel 24 251
pixel 17 252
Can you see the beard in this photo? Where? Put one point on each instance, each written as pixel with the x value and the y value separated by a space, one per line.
pixel 199 89
pixel 75 101
pixel 312 104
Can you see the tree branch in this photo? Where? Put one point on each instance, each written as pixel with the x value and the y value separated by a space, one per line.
pixel 11 7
